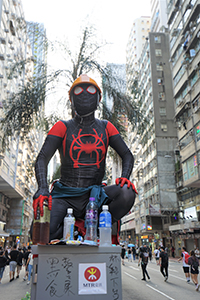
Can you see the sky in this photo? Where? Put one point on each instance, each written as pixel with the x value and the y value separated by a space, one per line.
pixel 112 19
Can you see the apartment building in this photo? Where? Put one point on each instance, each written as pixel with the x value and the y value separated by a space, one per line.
pixel 17 183
pixel 184 29
pixel 158 15
pixel 156 205
pixel 136 41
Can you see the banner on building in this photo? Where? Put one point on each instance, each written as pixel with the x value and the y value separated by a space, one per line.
pixel 154 210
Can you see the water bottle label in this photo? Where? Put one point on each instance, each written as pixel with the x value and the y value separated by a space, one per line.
pixel 91 214
pixel 105 220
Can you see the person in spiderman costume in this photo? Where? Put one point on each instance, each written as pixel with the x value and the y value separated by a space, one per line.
pixel 82 143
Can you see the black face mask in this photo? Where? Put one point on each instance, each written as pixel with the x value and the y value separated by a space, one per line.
pixel 85 99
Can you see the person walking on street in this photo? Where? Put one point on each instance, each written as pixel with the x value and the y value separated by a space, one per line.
pixel 29 265
pixel 150 254
pixel 157 255
pixel 186 268
pixel 173 251
pixel 133 252
pixel 19 261
pixel 194 270
pixel 13 262
pixel 144 262
pixel 129 254
pixel 163 261
pixel 123 251
pixel 26 255
pixel 3 261
pixel 197 252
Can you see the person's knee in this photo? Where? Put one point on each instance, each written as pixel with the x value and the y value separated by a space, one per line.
pixel 127 196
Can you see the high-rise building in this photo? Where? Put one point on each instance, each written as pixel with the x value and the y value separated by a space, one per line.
pixel 136 41
pixel 156 205
pixel 184 29
pixel 158 15
pixel 17 183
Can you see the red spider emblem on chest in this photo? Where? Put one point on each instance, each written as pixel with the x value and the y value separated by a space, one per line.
pixel 97 147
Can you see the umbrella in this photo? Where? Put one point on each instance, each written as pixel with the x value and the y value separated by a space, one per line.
pixel 131 245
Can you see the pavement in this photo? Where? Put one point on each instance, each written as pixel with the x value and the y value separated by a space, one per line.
pixel 15 290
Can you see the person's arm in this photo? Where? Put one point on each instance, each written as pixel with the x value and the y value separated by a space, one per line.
pixel 117 143
pixel 180 258
pixel 52 143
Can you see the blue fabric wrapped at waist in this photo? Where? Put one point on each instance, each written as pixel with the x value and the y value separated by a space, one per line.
pixel 96 191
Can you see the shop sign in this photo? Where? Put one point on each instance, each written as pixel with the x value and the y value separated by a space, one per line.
pixel 143 237
pixel 149 227
pixel 190 213
pixel 92 279
pixel 189 236
pixel 154 210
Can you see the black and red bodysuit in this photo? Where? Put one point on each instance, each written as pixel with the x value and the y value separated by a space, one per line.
pixel 83 143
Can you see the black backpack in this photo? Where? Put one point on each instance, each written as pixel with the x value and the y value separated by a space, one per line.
pixel 195 264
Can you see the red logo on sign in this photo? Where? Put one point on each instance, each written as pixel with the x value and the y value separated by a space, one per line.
pixel 92 274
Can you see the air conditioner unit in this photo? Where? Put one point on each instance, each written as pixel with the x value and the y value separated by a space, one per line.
pixel 175 32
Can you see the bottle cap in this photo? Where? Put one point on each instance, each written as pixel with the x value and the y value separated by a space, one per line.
pixel 92 199
pixel 70 210
pixel 105 207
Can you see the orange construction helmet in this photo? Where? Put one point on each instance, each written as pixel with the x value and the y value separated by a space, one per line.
pixel 84 79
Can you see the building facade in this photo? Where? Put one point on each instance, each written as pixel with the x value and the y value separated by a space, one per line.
pixel 17 181
pixel 184 29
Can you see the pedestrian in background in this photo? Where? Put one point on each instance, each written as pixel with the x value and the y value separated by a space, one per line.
pixel 194 269
pixel 13 262
pixel 19 261
pixel 197 252
pixel 133 252
pixel 129 254
pixel 3 261
pixel 29 265
pixel 163 261
pixel 157 255
pixel 137 252
pixel 150 253
pixel 186 268
pixel 26 255
pixel 144 262
pixel 173 251
pixel 123 251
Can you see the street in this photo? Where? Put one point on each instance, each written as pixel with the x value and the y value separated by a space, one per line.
pixel 133 288
pixel 176 288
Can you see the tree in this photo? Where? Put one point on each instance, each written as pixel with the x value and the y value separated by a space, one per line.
pixel 22 111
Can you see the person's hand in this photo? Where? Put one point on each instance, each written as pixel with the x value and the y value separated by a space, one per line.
pixel 123 180
pixel 38 201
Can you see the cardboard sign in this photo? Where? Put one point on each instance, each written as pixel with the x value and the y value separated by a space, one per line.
pixel 92 279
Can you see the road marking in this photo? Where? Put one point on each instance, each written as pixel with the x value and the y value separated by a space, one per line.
pixel 130 275
pixel 134 268
pixel 173 271
pixel 169 275
pixel 160 292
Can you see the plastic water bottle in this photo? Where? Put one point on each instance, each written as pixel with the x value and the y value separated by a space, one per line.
pixel 105 227
pixel 69 220
pixel 91 219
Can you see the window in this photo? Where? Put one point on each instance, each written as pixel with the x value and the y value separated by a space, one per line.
pixel 161 96
pixel 164 127
pixel 159 66
pixel 158 52
pixel 162 111
pixel 157 39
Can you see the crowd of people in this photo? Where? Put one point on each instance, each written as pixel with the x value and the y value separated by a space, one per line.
pixel 161 254
pixel 16 257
